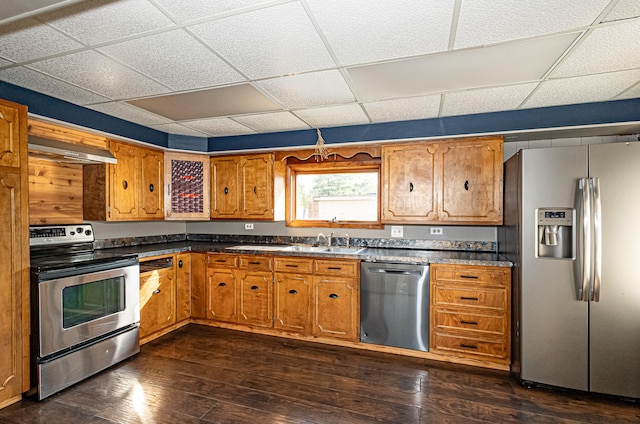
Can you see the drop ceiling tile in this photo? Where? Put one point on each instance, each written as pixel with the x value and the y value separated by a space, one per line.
pixel 608 48
pixel 585 89
pixel 361 31
pixel 484 22
pixel 175 59
pixel 486 100
pixel 309 90
pixel 4 62
pixel 178 129
pixel 32 80
pixel 333 116
pixel 187 10
pixel 624 9
pixel 129 113
pixel 272 122
pixel 28 39
pixel 632 93
pixel 100 74
pixel 97 21
pixel 508 63
pixel 403 109
pixel 275 41
pixel 16 9
pixel 219 127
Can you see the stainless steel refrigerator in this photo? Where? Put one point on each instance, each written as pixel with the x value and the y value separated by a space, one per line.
pixel 572 229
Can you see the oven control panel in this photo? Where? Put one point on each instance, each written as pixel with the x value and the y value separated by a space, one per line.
pixel 60 234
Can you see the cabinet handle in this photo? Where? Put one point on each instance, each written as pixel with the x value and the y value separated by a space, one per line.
pixel 254 287
pixel 254 263
pixel 334 267
pixel 333 296
pixel 468 298
pixel 293 292
pixel 221 260
pixel 410 187
pixel 151 188
pixel 474 277
pixel 466 185
pixel 125 184
pixel 468 346
pixel 180 263
pixel 156 291
pixel 226 190
pixel 222 285
pixel 255 190
pixel 468 322
pixel 292 266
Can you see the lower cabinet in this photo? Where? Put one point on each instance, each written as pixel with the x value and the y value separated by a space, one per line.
pixel 157 295
pixel 292 295
pixel 471 312
pixel 254 291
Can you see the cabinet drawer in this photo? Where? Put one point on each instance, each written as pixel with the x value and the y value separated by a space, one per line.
pixel 344 268
pixel 471 274
pixel 489 324
pixel 223 261
pixel 470 345
pixel 262 263
pixel 295 265
pixel 475 297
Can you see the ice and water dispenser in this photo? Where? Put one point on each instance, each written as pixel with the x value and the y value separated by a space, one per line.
pixel 556 233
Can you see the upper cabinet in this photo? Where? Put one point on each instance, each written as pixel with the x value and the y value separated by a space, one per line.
pixel 10 135
pixel 247 187
pixel 129 190
pixel 443 182
pixel 187 186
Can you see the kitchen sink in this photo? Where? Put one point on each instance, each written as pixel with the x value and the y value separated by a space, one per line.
pixel 343 250
pixel 263 247
pixel 337 250
pixel 299 248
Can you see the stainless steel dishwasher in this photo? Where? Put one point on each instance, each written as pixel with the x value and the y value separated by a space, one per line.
pixel 394 305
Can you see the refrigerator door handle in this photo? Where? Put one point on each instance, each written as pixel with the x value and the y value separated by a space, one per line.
pixel 582 264
pixel 597 241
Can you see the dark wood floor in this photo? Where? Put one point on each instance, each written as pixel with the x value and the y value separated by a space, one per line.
pixel 206 375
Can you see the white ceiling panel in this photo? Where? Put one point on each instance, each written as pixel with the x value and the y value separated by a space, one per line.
pixel 175 59
pixel 519 61
pixel 309 90
pixel 269 42
pixel 13 10
pixel 488 21
pixel 606 49
pixel 403 109
pixel 333 116
pixel 272 122
pixel 4 62
pixel 100 74
pixel 361 31
pixel 188 10
pixel 632 93
pixel 624 9
pixel 97 21
pixel 178 129
pixel 590 88
pixel 28 78
pixel 486 100
pixel 29 39
pixel 129 113
pixel 219 127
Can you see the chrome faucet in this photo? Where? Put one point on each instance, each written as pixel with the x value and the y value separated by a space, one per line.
pixel 328 238
pixel 348 240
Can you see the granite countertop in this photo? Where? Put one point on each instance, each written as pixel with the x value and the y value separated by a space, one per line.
pixel 393 255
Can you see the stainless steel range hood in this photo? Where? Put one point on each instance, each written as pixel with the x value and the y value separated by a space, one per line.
pixel 45 148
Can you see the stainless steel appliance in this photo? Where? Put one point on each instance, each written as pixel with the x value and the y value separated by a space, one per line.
pixel 394 305
pixel 571 228
pixel 85 307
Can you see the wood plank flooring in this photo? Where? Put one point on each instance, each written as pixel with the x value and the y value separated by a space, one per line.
pixel 200 374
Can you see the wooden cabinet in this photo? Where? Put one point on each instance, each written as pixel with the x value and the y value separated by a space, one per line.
pixel 247 187
pixel 187 184
pixel 198 285
pixel 14 254
pixel 255 291
pixel 221 287
pixel 293 287
pixel 130 190
pixel 183 286
pixel 443 182
pixel 157 295
pixel 471 312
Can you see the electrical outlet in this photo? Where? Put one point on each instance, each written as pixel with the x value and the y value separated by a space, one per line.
pixel 396 231
pixel 248 226
pixel 436 231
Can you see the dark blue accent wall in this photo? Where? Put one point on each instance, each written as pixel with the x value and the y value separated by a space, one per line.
pixel 611 112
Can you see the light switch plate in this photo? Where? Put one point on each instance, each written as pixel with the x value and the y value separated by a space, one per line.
pixel 248 226
pixel 396 231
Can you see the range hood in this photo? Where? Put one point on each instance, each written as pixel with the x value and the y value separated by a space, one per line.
pixel 45 148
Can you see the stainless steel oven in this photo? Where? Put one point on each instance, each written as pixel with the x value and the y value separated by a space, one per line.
pixel 85 307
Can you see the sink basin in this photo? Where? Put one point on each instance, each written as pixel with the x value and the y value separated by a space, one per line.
pixel 263 247
pixel 343 250
pixel 299 248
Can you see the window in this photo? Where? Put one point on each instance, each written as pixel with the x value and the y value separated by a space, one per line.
pixel 334 194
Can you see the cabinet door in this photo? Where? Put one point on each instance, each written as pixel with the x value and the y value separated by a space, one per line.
pixel 254 299
pixel 187 186
pixel 471 189
pixel 198 285
pixel 157 301
pixel 183 286
pixel 292 298
pixel 221 296
pixel 225 187
pixel 11 125
pixel 151 166
pixel 12 234
pixel 408 183
pixel 335 307
pixel 123 194
pixel 257 187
